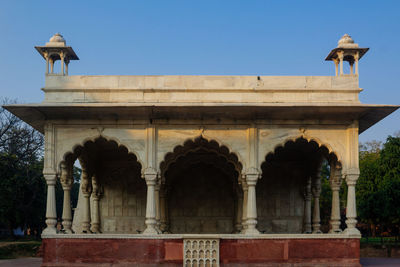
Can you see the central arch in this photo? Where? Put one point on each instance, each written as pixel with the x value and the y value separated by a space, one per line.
pixel 201 181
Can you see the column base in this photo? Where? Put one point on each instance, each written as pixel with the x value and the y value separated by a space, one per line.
pixel 49 231
pixel 250 231
pixel 150 230
pixel 351 231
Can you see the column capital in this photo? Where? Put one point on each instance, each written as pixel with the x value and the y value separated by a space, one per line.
pixel 252 175
pixel 352 176
pixel 151 176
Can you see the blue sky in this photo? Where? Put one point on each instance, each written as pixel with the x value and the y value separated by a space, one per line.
pixel 204 37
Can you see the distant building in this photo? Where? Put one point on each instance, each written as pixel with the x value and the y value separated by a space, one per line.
pixel 200 170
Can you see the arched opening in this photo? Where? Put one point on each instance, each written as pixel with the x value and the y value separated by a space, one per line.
pixel 111 180
pixel 291 180
pixel 201 181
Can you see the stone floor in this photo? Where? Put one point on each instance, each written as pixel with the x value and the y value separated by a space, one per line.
pixel 35 262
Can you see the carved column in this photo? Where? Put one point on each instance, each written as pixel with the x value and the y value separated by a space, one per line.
pixel 51 213
pixel 351 213
pixel 51 66
pixel 62 55
pixel 86 192
pixel 150 176
pixel 336 61
pixel 97 192
pixel 46 56
pixel 66 182
pixel 244 208
pixel 316 191
pixel 307 207
pixel 239 211
pixel 157 200
pixel 341 56
pixel 335 182
pixel 251 222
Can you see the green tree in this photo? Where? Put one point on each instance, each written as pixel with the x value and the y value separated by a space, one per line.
pixel 389 188
pixel 367 188
pixel 22 187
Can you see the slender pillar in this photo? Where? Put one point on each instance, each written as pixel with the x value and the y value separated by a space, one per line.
pixel 244 208
pixel 51 214
pixel 335 182
pixel 51 66
pixel 341 55
pixel 356 56
pixel 251 221
pixel 97 192
pixel 86 192
pixel 351 213
pixel 158 210
pixel 150 176
pixel 336 61
pixel 66 67
pixel 307 207
pixel 316 191
pixel 163 210
pixel 62 62
pixel 239 211
pixel 46 55
pixel 351 67
pixel 66 182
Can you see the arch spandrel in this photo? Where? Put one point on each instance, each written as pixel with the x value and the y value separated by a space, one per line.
pixel 233 139
pixel 69 139
pixel 334 140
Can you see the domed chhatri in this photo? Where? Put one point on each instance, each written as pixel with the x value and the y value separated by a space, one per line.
pixel 347 42
pixel 56 49
pixel 56 40
pixel 347 50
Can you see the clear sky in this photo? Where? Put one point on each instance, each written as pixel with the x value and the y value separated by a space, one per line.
pixel 204 37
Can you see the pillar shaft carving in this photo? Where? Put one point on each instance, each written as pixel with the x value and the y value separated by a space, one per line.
pixel 66 182
pixel 51 214
pixel 97 192
pixel 244 207
pixel 351 212
pixel 335 183
pixel 316 192
pixel 86 192
pixel 251 219
pixel 150 176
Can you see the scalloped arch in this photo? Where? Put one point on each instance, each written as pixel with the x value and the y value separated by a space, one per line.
pixel 93 139
pixel 195 144
pixel 309 139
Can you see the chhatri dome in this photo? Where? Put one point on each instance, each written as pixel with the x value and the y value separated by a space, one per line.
pixel 346 42
pixel 56 40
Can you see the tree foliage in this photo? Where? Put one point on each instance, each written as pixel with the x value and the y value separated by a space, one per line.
pixel 22 187
pixel 378 187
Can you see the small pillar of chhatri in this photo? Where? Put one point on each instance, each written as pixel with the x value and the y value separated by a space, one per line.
pixel 348 51
pixel 57 49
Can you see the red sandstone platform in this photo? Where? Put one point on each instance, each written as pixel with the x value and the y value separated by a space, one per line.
pixel 169 252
